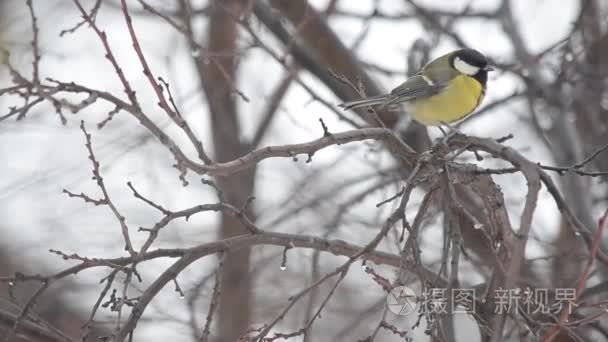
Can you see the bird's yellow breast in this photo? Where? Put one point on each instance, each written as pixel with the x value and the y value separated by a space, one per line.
pixel 454 103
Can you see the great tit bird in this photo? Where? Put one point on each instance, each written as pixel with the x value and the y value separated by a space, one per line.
pixel 444 91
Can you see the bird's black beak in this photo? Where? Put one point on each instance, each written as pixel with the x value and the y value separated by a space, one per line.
pixel 488 68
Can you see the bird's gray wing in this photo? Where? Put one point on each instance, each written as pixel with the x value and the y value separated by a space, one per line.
pixel 416 87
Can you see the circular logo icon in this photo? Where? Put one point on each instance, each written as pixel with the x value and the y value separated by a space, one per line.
pixel 402 300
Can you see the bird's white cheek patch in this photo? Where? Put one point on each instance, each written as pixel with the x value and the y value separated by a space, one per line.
pixel 465 67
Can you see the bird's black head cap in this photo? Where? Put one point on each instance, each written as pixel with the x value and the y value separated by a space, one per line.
pixel 472 57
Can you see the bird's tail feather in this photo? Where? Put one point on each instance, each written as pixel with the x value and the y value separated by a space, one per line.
pixel 370 101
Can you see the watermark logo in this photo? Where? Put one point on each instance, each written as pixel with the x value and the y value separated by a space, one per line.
pixel 402 300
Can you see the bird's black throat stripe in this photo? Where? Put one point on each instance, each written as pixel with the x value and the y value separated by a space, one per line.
pixel 481 77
